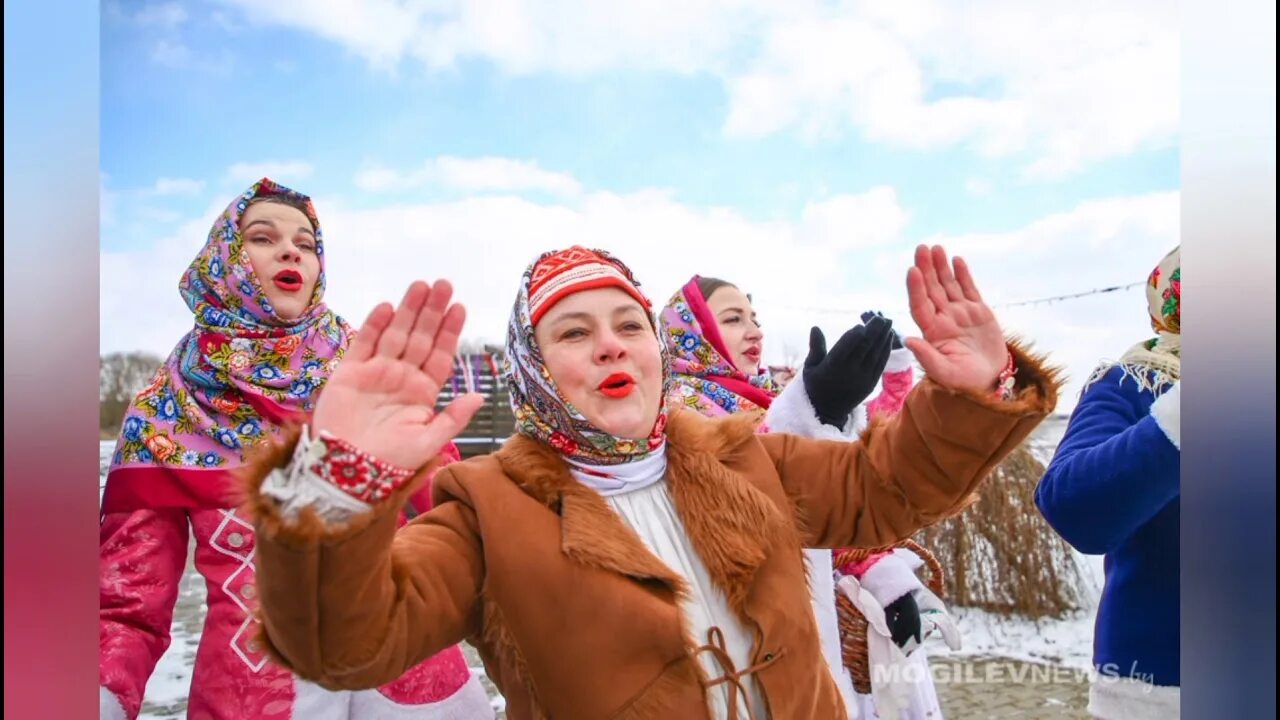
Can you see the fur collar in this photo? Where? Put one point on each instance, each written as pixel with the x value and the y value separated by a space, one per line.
pixel 730 523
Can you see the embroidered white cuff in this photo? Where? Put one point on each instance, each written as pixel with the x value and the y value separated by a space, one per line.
pixel 298 485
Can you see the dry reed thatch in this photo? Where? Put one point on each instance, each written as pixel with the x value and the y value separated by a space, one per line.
pixel 1000 555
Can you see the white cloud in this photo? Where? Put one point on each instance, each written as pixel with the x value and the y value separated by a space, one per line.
pixel 161 24
pixel 471 175
pixel 502 174
pixel 1062 87
pixel 177 186
pixel 172 53
pixel 157 216
pixel 522 37
pixel 139 306
pixel 373 254
pixel 107 201
pixel 224 21
pixel 1123 227
pixel 168 15
pixel 502 234
pixel 978 187
pixel 800 273
pixel 126 207
pixel 1097 245
pixel 1067 86
pixel 284 172
pixel 380 179
pixel 377 30
pixel 848 222
pixel 128 213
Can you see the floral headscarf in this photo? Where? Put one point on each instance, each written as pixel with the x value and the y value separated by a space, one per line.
pixel 1157 362
pixel 703 376
pixel 542 412
pixel 229 382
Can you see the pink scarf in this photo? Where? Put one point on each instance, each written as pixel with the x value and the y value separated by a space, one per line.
pixel 230 381
pixel 704 378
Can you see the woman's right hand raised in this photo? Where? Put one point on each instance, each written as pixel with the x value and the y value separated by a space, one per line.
pixel 381 399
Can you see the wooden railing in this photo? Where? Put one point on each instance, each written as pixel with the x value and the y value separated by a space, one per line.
pixel 494 422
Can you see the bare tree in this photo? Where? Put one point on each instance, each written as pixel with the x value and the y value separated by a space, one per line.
pixel 477 346
pixel 121 376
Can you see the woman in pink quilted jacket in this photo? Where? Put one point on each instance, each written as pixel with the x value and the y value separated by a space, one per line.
pixel 262 348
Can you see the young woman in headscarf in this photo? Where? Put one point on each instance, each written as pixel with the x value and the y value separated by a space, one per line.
pixel 716 343
pixel 1113 489
pixel 612 559
pixel 263 347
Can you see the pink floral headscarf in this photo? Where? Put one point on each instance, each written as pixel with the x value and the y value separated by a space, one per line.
pixel 230 381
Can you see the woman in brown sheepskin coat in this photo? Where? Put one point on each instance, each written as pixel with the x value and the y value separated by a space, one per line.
pixel 611 560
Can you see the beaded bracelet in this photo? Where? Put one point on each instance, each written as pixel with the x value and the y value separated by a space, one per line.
pixel 1005 381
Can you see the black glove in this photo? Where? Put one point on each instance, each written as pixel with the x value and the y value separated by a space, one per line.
pixel 903 618
pixel 897 339
pixel 838 381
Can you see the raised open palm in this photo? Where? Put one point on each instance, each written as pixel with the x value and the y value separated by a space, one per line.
pixel 963 347
pixel 381 399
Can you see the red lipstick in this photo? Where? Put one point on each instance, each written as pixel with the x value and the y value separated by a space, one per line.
pixel 617 385
pixel 288 280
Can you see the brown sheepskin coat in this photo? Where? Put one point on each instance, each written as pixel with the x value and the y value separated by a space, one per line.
pixel 574 618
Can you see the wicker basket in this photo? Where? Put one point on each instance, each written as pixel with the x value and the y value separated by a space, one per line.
pixel 853 625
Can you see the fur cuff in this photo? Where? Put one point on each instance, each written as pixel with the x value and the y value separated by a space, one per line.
pixel 792 413
pixel 306 527
pixel 899 360
pixel 890 578
pixel 1167 410
pixel 296 487
pixel 1128 699
pixel 109 707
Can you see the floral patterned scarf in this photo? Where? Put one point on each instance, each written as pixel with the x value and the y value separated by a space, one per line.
pixel 544 414
pixel 703 376
pixel 229 382
pixel 1156 363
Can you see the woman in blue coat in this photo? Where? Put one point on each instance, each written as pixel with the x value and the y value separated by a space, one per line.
pixel 1112 489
